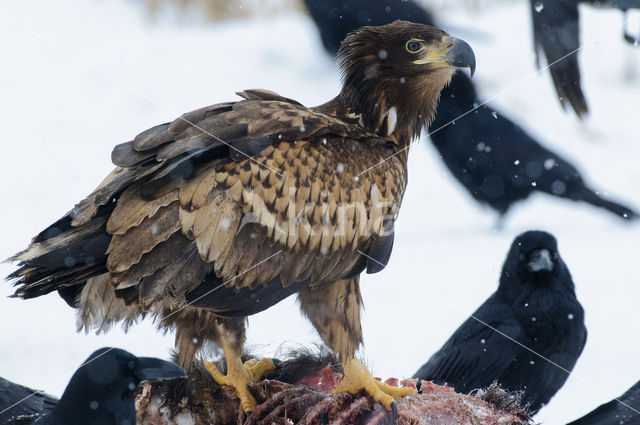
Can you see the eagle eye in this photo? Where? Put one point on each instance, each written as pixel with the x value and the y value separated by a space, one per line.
pixel 414 46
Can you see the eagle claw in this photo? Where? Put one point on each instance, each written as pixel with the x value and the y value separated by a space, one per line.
pixel 357 378
pixel 239 376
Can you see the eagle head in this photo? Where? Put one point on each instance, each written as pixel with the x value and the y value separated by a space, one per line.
pixel 393 75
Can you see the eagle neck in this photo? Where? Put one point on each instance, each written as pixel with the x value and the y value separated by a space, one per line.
pixel 377 117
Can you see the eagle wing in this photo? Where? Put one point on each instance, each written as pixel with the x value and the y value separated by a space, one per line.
pixel 231 207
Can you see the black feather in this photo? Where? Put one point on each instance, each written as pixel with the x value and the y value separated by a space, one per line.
pixel 238 302
pixel 337 18
pixel 17 400
pixel 497 161
pixel 556 34
pixel 621 411
pixel 380 252
pixel 100 392
pixel 527 335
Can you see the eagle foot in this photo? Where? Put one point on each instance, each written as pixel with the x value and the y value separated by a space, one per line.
pixel 239 375
pixel 358 378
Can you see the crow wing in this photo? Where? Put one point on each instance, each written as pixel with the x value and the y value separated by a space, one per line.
pixel 623 409
pixel 17 401
pixel 476 354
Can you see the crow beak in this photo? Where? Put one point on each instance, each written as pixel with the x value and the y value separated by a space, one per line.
pixel 459 53
pixel 149 368
pixel 539 260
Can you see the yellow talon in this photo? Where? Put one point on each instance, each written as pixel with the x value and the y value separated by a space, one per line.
pixel 240 375
pixel 357 377
pixel 251 362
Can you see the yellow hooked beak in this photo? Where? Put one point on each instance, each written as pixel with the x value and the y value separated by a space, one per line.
pixel 450 51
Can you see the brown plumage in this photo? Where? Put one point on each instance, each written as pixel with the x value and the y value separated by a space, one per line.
pixel 231 208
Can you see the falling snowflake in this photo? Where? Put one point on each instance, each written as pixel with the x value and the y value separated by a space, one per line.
pixel 549 163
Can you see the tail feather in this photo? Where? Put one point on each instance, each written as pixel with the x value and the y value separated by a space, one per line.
pixel 591 197
pixel 61 257
pixel 100 308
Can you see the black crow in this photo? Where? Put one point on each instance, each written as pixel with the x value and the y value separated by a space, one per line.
pixel 498 162
pixel 527 336
pixel 494 159
pixel 556 35
pixel 19 401
pixel 100 392
pixel 625 410
pixel 337 18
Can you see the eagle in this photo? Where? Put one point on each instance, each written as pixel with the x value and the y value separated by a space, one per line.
pixel 233 207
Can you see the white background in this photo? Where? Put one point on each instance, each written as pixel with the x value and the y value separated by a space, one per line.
pixel 79 76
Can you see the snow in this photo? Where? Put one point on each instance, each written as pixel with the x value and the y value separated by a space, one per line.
pixel 80 76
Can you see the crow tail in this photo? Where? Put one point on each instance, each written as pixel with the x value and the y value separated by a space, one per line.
pixel 588 195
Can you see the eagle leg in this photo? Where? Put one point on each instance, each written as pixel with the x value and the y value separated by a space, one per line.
pixel 335 313
pixel 239 374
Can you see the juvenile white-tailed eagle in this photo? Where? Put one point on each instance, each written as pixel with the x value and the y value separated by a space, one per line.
pixel 231 208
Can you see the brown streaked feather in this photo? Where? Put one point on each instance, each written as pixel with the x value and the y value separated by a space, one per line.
pixel 304 191
pixel 226 224
pixel 335 313
pixel 163 254
pixel 262 94
pixel 211 122
pixel 152 138
pixel 171 282
pixel 132 209
pixel 214 134
pixel 125 155
pixel 127 249
pixel 187 120
pixel 195 326
pixel 116 181
pixel 100 308
pixel 255 241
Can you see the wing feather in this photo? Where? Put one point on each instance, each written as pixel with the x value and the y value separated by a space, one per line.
pixel 152 138
pixel 474 355
pixel 132 209
pixel 189 210
pixel 127 249
pixel 150 263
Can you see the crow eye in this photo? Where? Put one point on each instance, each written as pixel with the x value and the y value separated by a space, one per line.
pixel 414 46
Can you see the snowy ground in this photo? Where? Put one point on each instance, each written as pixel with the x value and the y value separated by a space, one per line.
pixel 79 76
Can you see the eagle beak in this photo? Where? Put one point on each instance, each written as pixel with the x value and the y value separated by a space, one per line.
pixel 450 51
pixel 459 53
